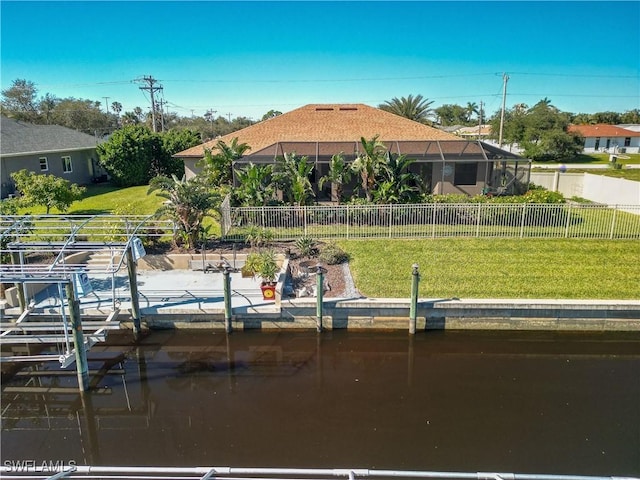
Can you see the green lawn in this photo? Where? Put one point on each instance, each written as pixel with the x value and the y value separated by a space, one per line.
pixel 106 199
pixel 497 268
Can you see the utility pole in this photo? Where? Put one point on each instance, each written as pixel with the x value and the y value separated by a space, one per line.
pixel 229 116
pixel 480 121
pixel 150 82
pixel 161 103
pixel 106 103
pixel 505 79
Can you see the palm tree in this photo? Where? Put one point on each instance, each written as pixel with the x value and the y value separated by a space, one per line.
pixel 220 165
pixel 291 176
pixel 414 108
pixel 369 163
pixel 472 108
pixel 398 184
pixel 339 174
pixel 188 202
pixel 256 187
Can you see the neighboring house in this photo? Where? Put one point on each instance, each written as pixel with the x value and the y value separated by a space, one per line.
pixel 447 163
pixel 603 138
pixel 46 149
pixel 478 132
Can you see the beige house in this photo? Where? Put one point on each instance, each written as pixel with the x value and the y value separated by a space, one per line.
pixel 447 163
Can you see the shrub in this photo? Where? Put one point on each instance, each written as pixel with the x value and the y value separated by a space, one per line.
pixel 332 254
pixel 307 246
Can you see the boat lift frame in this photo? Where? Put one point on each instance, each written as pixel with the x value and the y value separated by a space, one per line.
pixel 56 239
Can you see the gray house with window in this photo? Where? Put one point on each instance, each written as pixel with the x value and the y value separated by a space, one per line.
pixel 46 149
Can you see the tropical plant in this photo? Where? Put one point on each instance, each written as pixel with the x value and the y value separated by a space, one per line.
pixel 339 174
pixel 398 184
pixel 255 185
pixel 262 264
pixel 414 108
pixel 188 203
pixel 291 176
pixel 307 246
pixel 219 166
pixel 472 108
pixel 46 190
pixel 258 237
pixel 369 163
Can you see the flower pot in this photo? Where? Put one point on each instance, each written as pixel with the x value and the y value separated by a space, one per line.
pixel 268 291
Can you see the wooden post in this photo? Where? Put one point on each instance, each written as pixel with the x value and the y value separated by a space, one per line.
pixel 319 295
pixel 133 287
pixel 78 338
pixel 414 299
pixel 227 300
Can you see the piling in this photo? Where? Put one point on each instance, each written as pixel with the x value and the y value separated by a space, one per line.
pixel 133 286
pixel 227 300
pixel 319 295
pixel 78 338
pixel 414 299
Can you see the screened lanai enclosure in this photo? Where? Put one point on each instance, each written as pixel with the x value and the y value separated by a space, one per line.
pixel 445 166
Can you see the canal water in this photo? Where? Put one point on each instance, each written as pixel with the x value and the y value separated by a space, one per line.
pixel 563 403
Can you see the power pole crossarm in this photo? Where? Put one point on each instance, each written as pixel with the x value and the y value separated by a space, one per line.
pixel 151 88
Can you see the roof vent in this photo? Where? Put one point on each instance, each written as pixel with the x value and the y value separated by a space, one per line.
pixel 348 108
pixel 324 109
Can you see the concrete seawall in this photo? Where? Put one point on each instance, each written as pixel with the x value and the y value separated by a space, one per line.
pixel 432 314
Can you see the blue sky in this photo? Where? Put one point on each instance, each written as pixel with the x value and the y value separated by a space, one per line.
pixel 245 58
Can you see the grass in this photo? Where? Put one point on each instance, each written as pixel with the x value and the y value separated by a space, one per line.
pixel 497 268
pixel 106 199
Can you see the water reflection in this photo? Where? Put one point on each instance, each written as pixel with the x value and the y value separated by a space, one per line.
pixel 551 403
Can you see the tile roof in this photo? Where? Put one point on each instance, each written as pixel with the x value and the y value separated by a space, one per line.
pixel 327 123
pixel 23 138
pixel 602 130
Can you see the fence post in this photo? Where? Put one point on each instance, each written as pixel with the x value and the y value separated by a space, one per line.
pixel 478 222
pixel 524 214
pixel 304 212
pixel 613 221
pixel 348 222
pixel 390 218
pixel 413 310
pixel 568 222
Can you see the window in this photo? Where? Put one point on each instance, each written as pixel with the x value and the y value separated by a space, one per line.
pixel 465 174
pixel 597 147
pixel 66 165
pixel 627 141
pixel 44 164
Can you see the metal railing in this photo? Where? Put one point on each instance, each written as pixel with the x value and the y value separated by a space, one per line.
pixel 433 220
pixel 22 470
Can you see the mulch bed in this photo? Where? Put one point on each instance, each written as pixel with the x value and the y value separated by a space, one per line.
pixel 334 274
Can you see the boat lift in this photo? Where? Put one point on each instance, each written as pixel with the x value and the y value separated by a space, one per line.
pixel 60 246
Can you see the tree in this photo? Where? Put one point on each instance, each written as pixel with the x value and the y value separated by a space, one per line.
pixel 449 115
pixel 291 176
pixel 414 108
pixel 188 203
pixel 129 154
pixel 397 184
pixel 631 116
pixel 174 141
pixel 218 167
pixel 472 109
pixel 255 186
pixel 369 163
pixel 20 101
pixel 46 190
pixel 339 174
pixel 83 115
pixel 271 114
